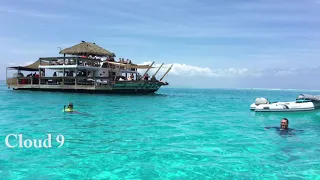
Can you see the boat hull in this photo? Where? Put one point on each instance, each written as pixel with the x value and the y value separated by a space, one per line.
pixel 113 91
pixel 285 107
pixel 117 88
pixel 253 105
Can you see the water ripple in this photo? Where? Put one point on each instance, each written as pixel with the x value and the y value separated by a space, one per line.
pixel 176 134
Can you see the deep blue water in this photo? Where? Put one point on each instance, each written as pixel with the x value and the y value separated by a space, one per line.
pixel 174 134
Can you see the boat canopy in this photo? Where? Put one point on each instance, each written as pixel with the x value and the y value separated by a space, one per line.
pixel 309 97
pixel 133 66
pixel 31 67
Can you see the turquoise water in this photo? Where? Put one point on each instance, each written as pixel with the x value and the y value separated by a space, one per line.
pixel 174 134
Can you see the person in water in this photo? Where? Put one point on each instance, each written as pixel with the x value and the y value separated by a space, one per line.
pixel 284 127
pixel 69 108
pixel 284 124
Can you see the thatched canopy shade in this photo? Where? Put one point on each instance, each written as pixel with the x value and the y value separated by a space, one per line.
pixel 87 48
pixel 31 67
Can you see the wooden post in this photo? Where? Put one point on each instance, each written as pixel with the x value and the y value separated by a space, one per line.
pixel 94 78
pixel 39 76
pixel 7 76
pixel 64 72
pixel 158 69
pixel 166 72
pixel 75 80
pixel 117 73
pixel 148 69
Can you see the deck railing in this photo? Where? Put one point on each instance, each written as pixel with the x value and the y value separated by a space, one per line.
pixel 70 81
pixel 69 61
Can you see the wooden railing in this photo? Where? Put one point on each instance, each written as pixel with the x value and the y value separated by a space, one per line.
pixel 85 81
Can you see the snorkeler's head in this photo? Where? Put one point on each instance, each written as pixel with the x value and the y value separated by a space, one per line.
pixel 70 105
pixel 284 123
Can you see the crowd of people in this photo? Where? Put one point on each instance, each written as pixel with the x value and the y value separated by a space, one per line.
pixel 111 59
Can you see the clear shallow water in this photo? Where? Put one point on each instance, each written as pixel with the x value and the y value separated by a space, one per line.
pixel 174 134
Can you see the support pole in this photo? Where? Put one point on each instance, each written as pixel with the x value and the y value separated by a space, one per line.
pixel 75 80
pixel 39 79
pixel 148 69
pixel 63 77
pixel 158 69
pixel 166 72
pixel 94 79
pixel 117 73
pixel 7 76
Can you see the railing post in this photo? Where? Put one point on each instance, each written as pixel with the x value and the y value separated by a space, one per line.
pixel 64 72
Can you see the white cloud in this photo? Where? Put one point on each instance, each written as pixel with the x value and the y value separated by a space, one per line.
pixel 32 13
pixel 189 70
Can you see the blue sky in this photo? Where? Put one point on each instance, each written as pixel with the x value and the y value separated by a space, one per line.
pixel 240 44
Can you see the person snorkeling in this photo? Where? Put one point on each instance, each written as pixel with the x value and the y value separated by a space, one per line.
pixel 69 108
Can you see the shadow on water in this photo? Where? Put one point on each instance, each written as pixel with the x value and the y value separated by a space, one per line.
pixel 78 113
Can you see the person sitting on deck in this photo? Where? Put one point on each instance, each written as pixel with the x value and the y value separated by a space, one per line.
pixel 121 79
pixel 153 78
pixel 138 76
pixel 131 77
pixel 146 77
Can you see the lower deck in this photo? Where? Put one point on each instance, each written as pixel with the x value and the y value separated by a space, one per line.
pixel 98 86
pixel 90 91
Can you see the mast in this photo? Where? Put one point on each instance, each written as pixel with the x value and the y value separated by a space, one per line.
pixel 166 72
pixel 158 70
pixel 148 69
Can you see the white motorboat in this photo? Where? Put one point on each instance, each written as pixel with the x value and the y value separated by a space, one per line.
pixel 304 102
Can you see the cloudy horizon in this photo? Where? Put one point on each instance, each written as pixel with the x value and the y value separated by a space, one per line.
pixel 234 44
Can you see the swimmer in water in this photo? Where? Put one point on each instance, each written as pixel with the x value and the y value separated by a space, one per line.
pixel 284 127
pixel 69 108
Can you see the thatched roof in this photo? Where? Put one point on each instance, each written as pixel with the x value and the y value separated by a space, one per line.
pixel 87 48
pixel 31 67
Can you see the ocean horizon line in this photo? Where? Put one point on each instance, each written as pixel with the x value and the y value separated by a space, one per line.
pixel 234 88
